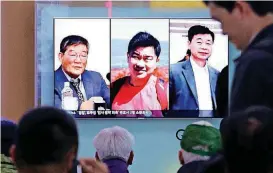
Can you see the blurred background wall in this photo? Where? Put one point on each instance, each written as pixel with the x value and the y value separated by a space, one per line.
pixel 17 58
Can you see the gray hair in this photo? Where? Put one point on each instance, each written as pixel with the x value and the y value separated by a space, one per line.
pixel 114 142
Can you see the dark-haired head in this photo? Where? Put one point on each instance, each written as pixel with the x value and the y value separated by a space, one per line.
pixel 248 140
pixel 45 138
pixel 261 8
pixel 144 39
pixel 235 16
pixel 73 55
pixel 73 40
pixel 199 29
pixel 200 42
pixel 143 54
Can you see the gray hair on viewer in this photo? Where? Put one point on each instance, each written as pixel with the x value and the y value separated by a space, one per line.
pixel 114 142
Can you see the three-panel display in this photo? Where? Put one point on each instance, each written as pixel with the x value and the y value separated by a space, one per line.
pixel 138 67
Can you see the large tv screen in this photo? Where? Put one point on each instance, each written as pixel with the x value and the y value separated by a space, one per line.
pixel 138 67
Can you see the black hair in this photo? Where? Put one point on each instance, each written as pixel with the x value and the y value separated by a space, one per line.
pixel 72 40
pixel 261 8
pixel 144 39
pixel 188 52
pixel 108 76
pixel 248 140
pixel 186 57
pixel 44 136
pixel 198 29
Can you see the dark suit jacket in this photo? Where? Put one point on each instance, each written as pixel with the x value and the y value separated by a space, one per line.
pixel 192 167
pixel 253 78
pixel 215 164
pixel 222 93
pixel 183 92
pixel 93 82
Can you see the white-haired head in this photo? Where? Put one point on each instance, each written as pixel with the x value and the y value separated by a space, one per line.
pixel 188 156
pixel 114 142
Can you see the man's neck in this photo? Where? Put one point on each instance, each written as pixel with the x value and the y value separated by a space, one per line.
pixel 139 82
pixel 259 25
pixel 199 62
pixel 69 76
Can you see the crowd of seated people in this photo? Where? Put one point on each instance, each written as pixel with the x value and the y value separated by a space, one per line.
pixel 46 140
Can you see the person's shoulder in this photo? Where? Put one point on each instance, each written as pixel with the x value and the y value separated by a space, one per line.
pixel 192 167
pixel 214 70
pixel 119 81
pixel 257 58
pixel 177 67
pixel 92 73
pixel 58 71
pixel 259 52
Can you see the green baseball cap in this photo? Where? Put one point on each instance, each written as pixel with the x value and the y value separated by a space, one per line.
pixel 200 139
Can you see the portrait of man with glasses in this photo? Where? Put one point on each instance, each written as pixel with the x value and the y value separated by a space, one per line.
pixel 85 84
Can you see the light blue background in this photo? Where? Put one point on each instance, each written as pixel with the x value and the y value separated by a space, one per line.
pixel 156 144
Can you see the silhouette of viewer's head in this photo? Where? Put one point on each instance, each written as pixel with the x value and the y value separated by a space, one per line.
pixel 143 54
pixel 248 140
pixel 200 41
pixel 73 55
pixel 235 16
pixel 46 140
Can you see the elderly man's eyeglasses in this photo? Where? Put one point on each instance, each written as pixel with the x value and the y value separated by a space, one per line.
pixel 75 55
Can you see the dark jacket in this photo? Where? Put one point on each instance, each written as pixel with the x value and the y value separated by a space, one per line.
pixel 222 93
pixel 183 92
pixel 93 82
pixel 215 164
pixel 192 167
pixel 253 78
pixel 116 165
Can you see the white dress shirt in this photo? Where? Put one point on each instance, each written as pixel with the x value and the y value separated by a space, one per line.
pixel 202 82
pixel 81 84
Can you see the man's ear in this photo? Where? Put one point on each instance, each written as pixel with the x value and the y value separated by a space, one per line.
pixel 97 156
pixel 12 153
pixel 131 158
pixel 70 157
pixel 128 57
pixel 180 157
pixel 189 43
pixel 241 8
pixel 60 56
